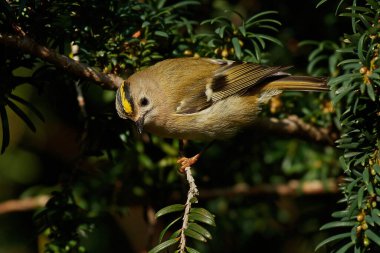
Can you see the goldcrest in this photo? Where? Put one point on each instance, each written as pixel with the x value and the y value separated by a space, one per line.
pixel 203 99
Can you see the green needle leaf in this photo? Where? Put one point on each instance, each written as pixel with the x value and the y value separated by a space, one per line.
pixel 170 209
pixel 195 235
pixel 29 105
pixel 201 230
pixel 333 238
pixel 22 115
pixel 160 247
pixel 163 232
pixel 202 218
pixel 5 125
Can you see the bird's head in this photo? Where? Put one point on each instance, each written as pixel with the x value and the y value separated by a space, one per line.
pixel 133 101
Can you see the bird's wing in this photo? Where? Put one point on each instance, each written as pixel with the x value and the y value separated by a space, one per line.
pixel 237 78
pixel 227 78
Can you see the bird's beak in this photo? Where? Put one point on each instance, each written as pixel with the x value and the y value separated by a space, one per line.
pixel 140 124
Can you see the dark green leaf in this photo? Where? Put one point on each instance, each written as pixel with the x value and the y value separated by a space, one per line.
pixel 371 92
pixel 377 168
pixel 255 17
pixel 160 247
pixel 22 115
pixel 185 3
pixel 28 104
pixel 360 48
pixel 195 235
pixel 170 209
pixel 321 2
pixel 201 218
pixel 336 224
pixel 340 214
pixel 269 38
pixel 345 247
pixel 372 236
pixel 191 250
pixel 202 211
pixel 366 176
pixel 237 48
pixel 161 34
pixel 5 126
pixel 360 196
pixel 332 238
pixel 242 30
pixel 199 229
pixel 163 232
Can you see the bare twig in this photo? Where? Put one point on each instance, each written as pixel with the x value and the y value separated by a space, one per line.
pixel 292 188
pixel 193 192
pixel 26 204
pixel 28 45
pixel 293 126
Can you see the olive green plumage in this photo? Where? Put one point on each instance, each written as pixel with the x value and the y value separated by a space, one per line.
pixel 203 99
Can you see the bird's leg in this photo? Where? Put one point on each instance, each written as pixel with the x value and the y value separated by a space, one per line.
pixel 188 162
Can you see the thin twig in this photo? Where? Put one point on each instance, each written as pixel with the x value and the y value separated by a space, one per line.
pixel 192 193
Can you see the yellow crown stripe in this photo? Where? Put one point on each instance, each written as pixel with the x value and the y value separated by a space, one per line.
pixel 124 101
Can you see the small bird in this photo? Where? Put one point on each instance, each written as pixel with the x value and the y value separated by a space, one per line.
pixel 202 98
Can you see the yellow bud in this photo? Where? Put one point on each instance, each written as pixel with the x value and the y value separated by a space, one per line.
pixel 366 242
pixel 360 217
pixel 363 70
pixel 225 53
pixel 188 52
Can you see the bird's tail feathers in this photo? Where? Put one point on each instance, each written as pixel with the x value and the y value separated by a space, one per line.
pixel 298 83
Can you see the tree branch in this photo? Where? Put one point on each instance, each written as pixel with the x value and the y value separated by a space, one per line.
pixel 26 204
pixel 293 126
pixel 28 45
pixel 292 188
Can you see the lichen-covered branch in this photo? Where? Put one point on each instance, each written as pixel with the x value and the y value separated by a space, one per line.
pixel 192 193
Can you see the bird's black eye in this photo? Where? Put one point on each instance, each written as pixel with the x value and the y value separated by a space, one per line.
pixel 144 101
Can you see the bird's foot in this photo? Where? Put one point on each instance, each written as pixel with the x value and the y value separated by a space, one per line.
pixel 187 162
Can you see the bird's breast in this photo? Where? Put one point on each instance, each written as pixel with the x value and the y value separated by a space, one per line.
pixel 221 120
